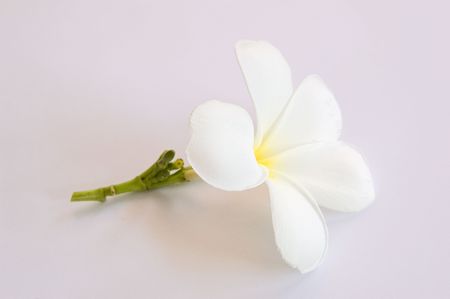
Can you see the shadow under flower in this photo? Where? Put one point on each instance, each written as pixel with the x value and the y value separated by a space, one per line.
pixel 198 226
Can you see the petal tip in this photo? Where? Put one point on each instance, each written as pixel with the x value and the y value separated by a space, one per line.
pixel 303 269
pixel 314 77
pixel 252 47
pixel 301 233
pixel 248 43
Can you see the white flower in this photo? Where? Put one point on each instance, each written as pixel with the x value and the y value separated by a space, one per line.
pixel 295 151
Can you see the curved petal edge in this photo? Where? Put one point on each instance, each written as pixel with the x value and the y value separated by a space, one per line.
pixel 335 174
pixel 312 115
pixel 221 147
pixel 268 79
pixel 300 230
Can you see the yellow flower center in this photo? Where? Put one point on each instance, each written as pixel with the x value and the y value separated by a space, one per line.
pixel 262 160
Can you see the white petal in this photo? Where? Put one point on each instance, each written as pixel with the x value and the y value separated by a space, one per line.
pixel 221 147
pixel 268 78
pixel 312 115
pixel 300 230
pixel 333 173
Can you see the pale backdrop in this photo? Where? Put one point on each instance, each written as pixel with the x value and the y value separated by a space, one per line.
pixel 92 90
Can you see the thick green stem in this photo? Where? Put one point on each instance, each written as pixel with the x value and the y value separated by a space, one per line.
pixel 100 194
pixel 162 173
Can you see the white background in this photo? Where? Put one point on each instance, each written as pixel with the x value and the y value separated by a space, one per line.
pixel 92 91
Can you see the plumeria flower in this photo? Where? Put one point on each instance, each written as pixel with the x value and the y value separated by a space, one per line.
pixel 296 151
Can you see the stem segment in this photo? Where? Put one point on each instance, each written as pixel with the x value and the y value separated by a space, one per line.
pixel 161 174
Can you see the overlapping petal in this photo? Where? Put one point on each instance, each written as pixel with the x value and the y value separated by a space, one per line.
pixel 334 174
pixel 221 147
pixel 296 139
pixel 300 230
pixel 268 78
pixel 312 115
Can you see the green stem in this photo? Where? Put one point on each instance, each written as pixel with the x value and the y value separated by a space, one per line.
pixel 100 194
pixel 162 173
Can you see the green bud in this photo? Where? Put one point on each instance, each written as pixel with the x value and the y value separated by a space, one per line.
pixel 178 164
pixel 162 175
pixel 165 158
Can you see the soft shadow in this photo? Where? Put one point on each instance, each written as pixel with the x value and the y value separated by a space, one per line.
pixel 198 226
pixel 204 227
pixel 89 209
